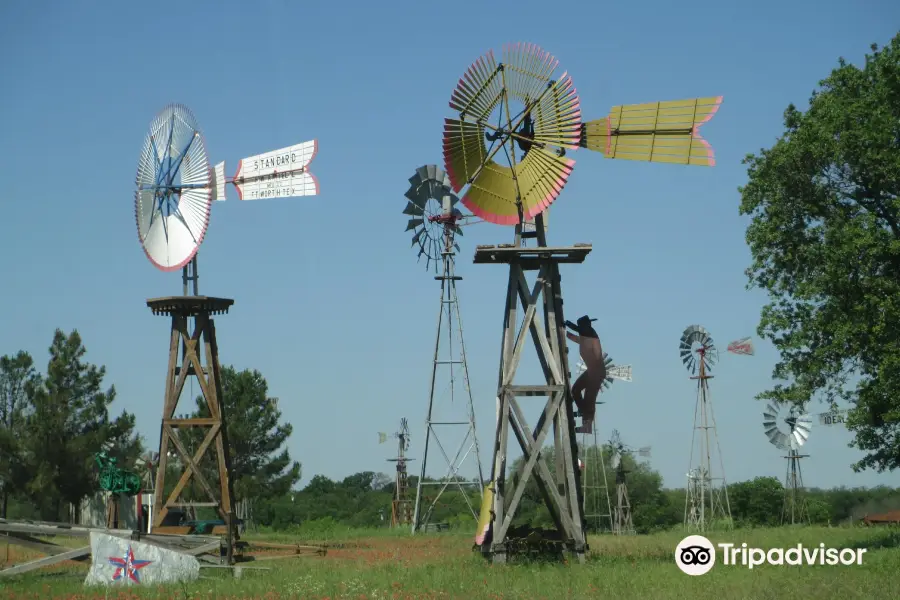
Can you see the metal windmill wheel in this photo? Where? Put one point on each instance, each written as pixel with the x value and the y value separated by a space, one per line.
pixel 431 204
pixel 787 427
pixel 697 347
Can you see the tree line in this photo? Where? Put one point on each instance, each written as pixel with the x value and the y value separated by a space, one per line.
pixel 53 422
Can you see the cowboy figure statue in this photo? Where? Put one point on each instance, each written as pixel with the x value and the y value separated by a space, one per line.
pixel 587 386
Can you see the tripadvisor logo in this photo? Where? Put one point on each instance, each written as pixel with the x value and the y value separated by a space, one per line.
pixel 696 555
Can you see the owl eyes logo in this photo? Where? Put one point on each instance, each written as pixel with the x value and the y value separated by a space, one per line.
pixel 695 555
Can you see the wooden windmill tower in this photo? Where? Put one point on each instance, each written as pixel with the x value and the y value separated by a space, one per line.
pixel 175 188
pixel 538 122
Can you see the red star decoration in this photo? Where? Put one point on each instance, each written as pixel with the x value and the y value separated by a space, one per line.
pixel 127 566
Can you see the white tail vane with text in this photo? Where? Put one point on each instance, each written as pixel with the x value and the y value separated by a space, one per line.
pixel 742 346
pixel 622 372
pixel 282 173
pixel 834 417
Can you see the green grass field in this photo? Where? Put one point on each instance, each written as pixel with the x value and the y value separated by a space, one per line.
pixel 384 565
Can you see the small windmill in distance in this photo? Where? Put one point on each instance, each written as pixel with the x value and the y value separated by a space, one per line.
pixel 787 428
pixel 622 525
pixel 146 466
pixel 436 223
pixel 401 508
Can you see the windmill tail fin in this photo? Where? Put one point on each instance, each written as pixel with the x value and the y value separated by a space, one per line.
pixel 665 132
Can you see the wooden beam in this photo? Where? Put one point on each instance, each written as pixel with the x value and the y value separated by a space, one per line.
pixel 47 561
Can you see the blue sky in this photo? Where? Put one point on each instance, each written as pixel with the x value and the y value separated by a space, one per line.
pixel 330 303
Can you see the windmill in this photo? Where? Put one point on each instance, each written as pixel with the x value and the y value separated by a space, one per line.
pixel 401 511
pixel 146 466
pixel 539 115
pixel 596 485
pixel 707 497
pixel 787 428
pixel 435 222
pixel 175 187
pixel 623 524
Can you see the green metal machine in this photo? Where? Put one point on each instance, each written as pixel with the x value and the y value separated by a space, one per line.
pixel 117 481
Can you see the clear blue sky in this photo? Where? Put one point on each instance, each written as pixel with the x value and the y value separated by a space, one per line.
pixel 330 303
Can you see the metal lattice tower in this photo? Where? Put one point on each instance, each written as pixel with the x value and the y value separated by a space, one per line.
pixel 598 514
pixel 692 518
pixel 598 508
pixel 436 221
pixel 795 506
pixel 708 504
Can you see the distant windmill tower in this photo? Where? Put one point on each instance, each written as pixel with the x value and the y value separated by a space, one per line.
pixel 790 436
pixel 146 466
pixel 622 525
pixel 707 499
pixel 401 506
pixel 598 509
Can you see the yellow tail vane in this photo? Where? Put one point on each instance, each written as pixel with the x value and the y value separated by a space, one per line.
pixel 666 132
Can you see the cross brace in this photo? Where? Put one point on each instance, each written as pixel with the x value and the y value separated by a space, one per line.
pixel 561 490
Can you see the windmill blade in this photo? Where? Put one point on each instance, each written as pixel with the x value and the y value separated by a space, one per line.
pixel 800 430
pixel 413 209
pixel 664 132
pixel 616 459
pixel 538 179
pixel 782 435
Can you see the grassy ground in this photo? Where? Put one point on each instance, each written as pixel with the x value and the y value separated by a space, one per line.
pixel 379 565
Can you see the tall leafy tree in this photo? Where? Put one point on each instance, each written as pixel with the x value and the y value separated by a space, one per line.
pixel 67 423
pixel 757 502
pixel 17 376
pixel 825 241
pixel 261 467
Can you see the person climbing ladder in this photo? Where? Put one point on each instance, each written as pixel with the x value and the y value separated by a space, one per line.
pixel 587 386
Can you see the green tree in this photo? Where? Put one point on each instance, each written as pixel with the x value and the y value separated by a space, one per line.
pixel 757 502
pixel 67 423
pixel 825 241
pixel 17 376
pixel 260 467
